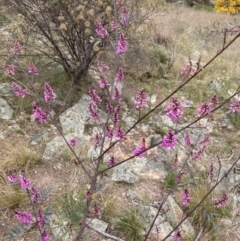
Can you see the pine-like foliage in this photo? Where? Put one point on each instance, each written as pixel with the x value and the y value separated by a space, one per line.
pixel 227 6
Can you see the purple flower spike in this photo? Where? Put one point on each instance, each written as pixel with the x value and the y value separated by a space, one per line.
pixel 72 142
pixel 111 161
pixel 100 30
pixel 122 44
pixel 45 236
pixel 19 91
pixel 25 183
pixel 40 218
pixel 39 114
pixel 235 106
pixel 219 203
pixel 140 151
pixel 174 110
pixel 119 134
pixel 141 100
pixel 96 210
pixel 204 109
pixel 35 195
pixel 10 69
pixel 185 197
pixel 48 93
pixel 23 217
pixel 120 75
pixel 170 140
pixel 32 69
pixel 17 48
pixel 177 236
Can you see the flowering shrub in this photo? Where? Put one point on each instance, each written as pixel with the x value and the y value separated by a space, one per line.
pixel 113 130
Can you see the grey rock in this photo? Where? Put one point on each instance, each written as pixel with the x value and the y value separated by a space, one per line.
pixel 6 111
pixel 132 196
pixel 97 224
pixel 174 215
pixel 6 89
pixel 123 175
pixel 2 135
pixel 74 119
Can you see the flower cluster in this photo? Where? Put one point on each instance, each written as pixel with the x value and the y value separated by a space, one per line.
pixel 170 140
pixel 111 161
pixel 39 114
pixel 125 17
pixel 174 110
pixel 120 75
pixel 235 106
pixel 141 150
pixel 204 109
pixel 186 69
pixel 100 30
pixel 141 100
pixel 177 236
pixel 23 217
pixel 48 93
pixel 72 142
pixel 219 203
pixel 185 197
pixel 17 48
pixel 32 69
pixel 122 44
pixel 10 69
pixel 19 91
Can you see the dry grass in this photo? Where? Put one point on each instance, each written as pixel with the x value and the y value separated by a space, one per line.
pixel 17 155
pixel 11 196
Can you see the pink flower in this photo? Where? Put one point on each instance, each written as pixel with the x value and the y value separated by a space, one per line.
pixel 25 183
pixel 116 115
pixel 102 67
pixel 96 211
pixel 48 93
pixel 174 110
pixel 235 106
pixel 12 179
pixel 122 44
pixel 40 218
pixel 170 140
pixel 214 101
pixel 97 140
pixel 109 132
pixel 141 150
pixel 95 99
pixel 111 161
pixel 17 48
pixel 100 30
pixel 185 197
pixel 177 236
pixel 10 68
pixel 124 17
pixel 120 75
pixel 113 24
pixel 204 109
pixel 93 112
pixel 199 153
pixel 219 203
pixel 72 142
pixel 141 100
pixel 186 69
pixel 187 139
pixel 109 107
pixel 23 217
pixel 19 91
pixel 35 195
pixel 32 69
pixel 119 134
pixel 45 236
pixel 116 95
pixel 103 82
pixel 39 114
pixel 179 177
